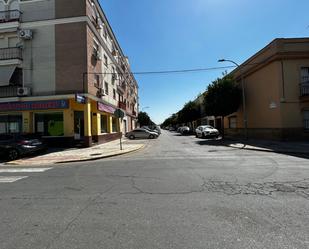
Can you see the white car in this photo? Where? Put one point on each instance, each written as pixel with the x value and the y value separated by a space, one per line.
pixel 205 131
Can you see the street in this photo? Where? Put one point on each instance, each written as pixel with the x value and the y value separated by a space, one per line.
pixel 178 192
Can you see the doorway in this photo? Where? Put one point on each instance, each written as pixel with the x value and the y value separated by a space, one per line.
pixel 79 131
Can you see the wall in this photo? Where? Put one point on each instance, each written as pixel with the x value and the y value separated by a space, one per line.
pixel 37 10
pixel 39 60
pixel 71 56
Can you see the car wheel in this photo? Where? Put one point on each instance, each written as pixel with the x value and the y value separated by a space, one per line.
pixel 151 136
pixel 131 137
pixel 13 154
pixel 203 135
pixel 196 135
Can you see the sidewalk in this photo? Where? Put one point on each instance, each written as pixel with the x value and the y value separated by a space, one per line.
pixel 78 155
pixel 270 146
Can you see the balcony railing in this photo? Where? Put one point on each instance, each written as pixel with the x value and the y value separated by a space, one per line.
pixel 10 53
pixel 10 16
pixel 122 105
pixel 8 91
pixel 304 89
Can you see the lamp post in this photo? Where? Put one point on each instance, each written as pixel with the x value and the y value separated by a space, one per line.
pixel 243 94
pixel 146 107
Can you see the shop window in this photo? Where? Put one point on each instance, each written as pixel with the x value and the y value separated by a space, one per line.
pixel 233 122
pixel 10 124
pixel 49 124
pixel 115 125
pixel 103 124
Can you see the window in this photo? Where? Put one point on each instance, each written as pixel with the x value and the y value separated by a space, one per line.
pixel 105 60
pixel 103 124
pixel 233 122
pixel 106 88
pixel 306 120
pixel 114 124
pixel 49 124
pixel 10 124
pixel 305 75
pixel 97 83
pixel 114 94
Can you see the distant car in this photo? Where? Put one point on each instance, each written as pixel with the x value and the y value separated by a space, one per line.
pixel 171 129
pixel 15 145
pixel 141 133
pixel 185 130
pixel 206 131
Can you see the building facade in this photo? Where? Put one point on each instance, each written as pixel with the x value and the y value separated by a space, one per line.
pixel 276 83
pixel 63 73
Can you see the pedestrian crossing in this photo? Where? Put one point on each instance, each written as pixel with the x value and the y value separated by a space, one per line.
pixel 18 173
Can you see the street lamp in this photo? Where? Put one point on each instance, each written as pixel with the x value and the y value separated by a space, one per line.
pixel 146 107
pixel 243 94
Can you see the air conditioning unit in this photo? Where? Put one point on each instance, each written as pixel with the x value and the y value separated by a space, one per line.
pixel 97 55
pixel 23 91
pixel 100 93
pixel 25 34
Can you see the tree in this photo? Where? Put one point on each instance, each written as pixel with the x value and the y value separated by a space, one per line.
pixel 190 112
pixel 144 119
pixel 223 98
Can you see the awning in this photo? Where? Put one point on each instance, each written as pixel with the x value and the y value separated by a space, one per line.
pixel 105 108
pixel 6 73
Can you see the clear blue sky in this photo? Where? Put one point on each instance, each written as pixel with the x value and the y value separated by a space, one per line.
pixel 181 34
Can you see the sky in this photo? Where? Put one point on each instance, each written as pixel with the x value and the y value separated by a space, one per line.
pixel 159 35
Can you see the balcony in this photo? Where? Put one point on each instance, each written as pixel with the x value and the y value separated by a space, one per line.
pixel 134 113
pixel 10 54
pixel 10 16
pixel 122 105
pixel 8 91
pixel 120 90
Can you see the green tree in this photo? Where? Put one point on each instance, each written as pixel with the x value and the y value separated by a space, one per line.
pixel 144 119
pixel 190 112
pixel 223 97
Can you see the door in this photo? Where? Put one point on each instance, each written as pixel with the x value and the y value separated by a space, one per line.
pixel 79 130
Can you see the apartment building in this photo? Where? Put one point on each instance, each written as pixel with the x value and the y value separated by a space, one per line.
pixel 63 74
pixel 276 83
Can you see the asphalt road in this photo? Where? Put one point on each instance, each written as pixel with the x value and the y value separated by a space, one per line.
pixel 179 192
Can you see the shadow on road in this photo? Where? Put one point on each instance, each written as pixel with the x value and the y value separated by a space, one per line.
pixel 296 149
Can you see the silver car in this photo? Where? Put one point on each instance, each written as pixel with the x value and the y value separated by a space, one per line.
pixel 141 133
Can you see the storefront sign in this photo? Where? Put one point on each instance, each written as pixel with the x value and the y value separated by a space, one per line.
pixel 34 105
pixel 106 108
pixel 80 99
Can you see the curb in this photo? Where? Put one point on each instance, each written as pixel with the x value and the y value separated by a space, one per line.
pixel 102 157
pixel 271 151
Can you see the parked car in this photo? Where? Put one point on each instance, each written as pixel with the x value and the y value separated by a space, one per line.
pixel 141 133
pixel 13 146
pixel 185 130
pixel 206 131
pixel 151 130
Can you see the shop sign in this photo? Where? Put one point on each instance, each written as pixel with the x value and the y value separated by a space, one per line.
pixel 34 105
pixel 80 99
pixel 119 113
pixel 106 108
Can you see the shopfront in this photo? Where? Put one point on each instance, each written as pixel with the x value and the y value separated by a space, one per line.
pixel 62 122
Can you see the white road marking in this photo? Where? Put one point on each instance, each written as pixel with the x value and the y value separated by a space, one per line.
pixel 9 179
pixel 24 170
